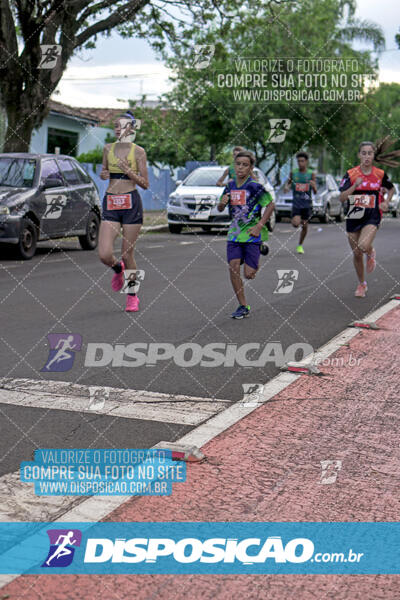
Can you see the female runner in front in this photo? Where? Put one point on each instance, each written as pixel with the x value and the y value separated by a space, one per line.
pixel 363 188
pixel 125 165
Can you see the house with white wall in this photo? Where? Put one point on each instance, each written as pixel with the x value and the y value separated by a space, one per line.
pixel 73 131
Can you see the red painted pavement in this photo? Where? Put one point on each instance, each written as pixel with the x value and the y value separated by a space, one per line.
pixel 267 468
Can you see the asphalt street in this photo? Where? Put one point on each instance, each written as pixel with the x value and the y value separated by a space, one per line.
pixel 186 298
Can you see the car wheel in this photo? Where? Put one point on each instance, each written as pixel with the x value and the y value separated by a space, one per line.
pixel 206 228
pixel 272 222
pixel 28 235
pixel 340 217
pixel 395 213
pixel 175 228
pixel 325 217
pixel 90 240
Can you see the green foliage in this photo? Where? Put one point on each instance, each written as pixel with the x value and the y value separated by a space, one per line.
pixel 373 120
pixel 94 157
pixel 204 120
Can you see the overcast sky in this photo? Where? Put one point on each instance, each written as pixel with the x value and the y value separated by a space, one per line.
pixel 123 69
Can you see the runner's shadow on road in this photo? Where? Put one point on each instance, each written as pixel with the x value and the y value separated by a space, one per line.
pixel 41 250
pixel 8 253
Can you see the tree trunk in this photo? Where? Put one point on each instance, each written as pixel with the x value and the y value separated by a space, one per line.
pixel 19 130
pixel 321 161
pixel 2 127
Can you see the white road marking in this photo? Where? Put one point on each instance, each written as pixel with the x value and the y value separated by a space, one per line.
pixel 156 246
pixel 128 404
pixel 96 508
pixel 17 499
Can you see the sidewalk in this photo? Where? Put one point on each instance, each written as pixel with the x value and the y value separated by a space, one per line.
pixel 267 467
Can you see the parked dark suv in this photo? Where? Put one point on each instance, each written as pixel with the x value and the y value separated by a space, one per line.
pixel 46 196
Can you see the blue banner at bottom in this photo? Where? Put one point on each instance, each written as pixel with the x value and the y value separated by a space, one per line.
pixel 200 548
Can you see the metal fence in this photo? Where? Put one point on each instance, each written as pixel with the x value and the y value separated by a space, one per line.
pixel 162 184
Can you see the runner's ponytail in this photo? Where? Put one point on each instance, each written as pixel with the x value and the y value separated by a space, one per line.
pixel 382 156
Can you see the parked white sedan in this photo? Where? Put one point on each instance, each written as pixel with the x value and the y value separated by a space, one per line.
pixel 194 202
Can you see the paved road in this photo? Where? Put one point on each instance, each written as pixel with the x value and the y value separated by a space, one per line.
pixel 322 449
pixel 186 297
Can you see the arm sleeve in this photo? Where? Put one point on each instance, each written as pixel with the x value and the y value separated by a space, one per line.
pixel 345 183
pixel 386 183
pixel 265 199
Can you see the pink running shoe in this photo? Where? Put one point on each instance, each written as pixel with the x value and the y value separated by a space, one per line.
pixel 132 303
pixel 117 281
pixel 371 263
pixel 361 290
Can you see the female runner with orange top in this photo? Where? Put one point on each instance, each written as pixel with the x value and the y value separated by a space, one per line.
pixel 367 191
pixel 125 165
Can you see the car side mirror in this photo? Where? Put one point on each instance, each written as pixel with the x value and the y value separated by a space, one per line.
pixel 50 182
pixel 178 182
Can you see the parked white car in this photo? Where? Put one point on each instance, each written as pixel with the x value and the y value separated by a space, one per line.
pixel 195 200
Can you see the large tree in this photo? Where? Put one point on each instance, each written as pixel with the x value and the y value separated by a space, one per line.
pixel 26 25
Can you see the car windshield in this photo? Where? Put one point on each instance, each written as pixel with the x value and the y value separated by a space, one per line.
pixel 17 172
pixel 202 177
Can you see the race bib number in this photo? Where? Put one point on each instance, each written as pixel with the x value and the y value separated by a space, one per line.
pixel 119 202
pixel 238 197
pixel 363 200
pixel 358 204
pixel 302 187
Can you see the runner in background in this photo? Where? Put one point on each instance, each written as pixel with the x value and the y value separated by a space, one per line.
pixel 125 165
pixel 367 191
pixel 302 181
pixel 230 171
pixel 245 198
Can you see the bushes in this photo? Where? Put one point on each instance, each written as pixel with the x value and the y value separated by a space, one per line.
pixel 93 157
